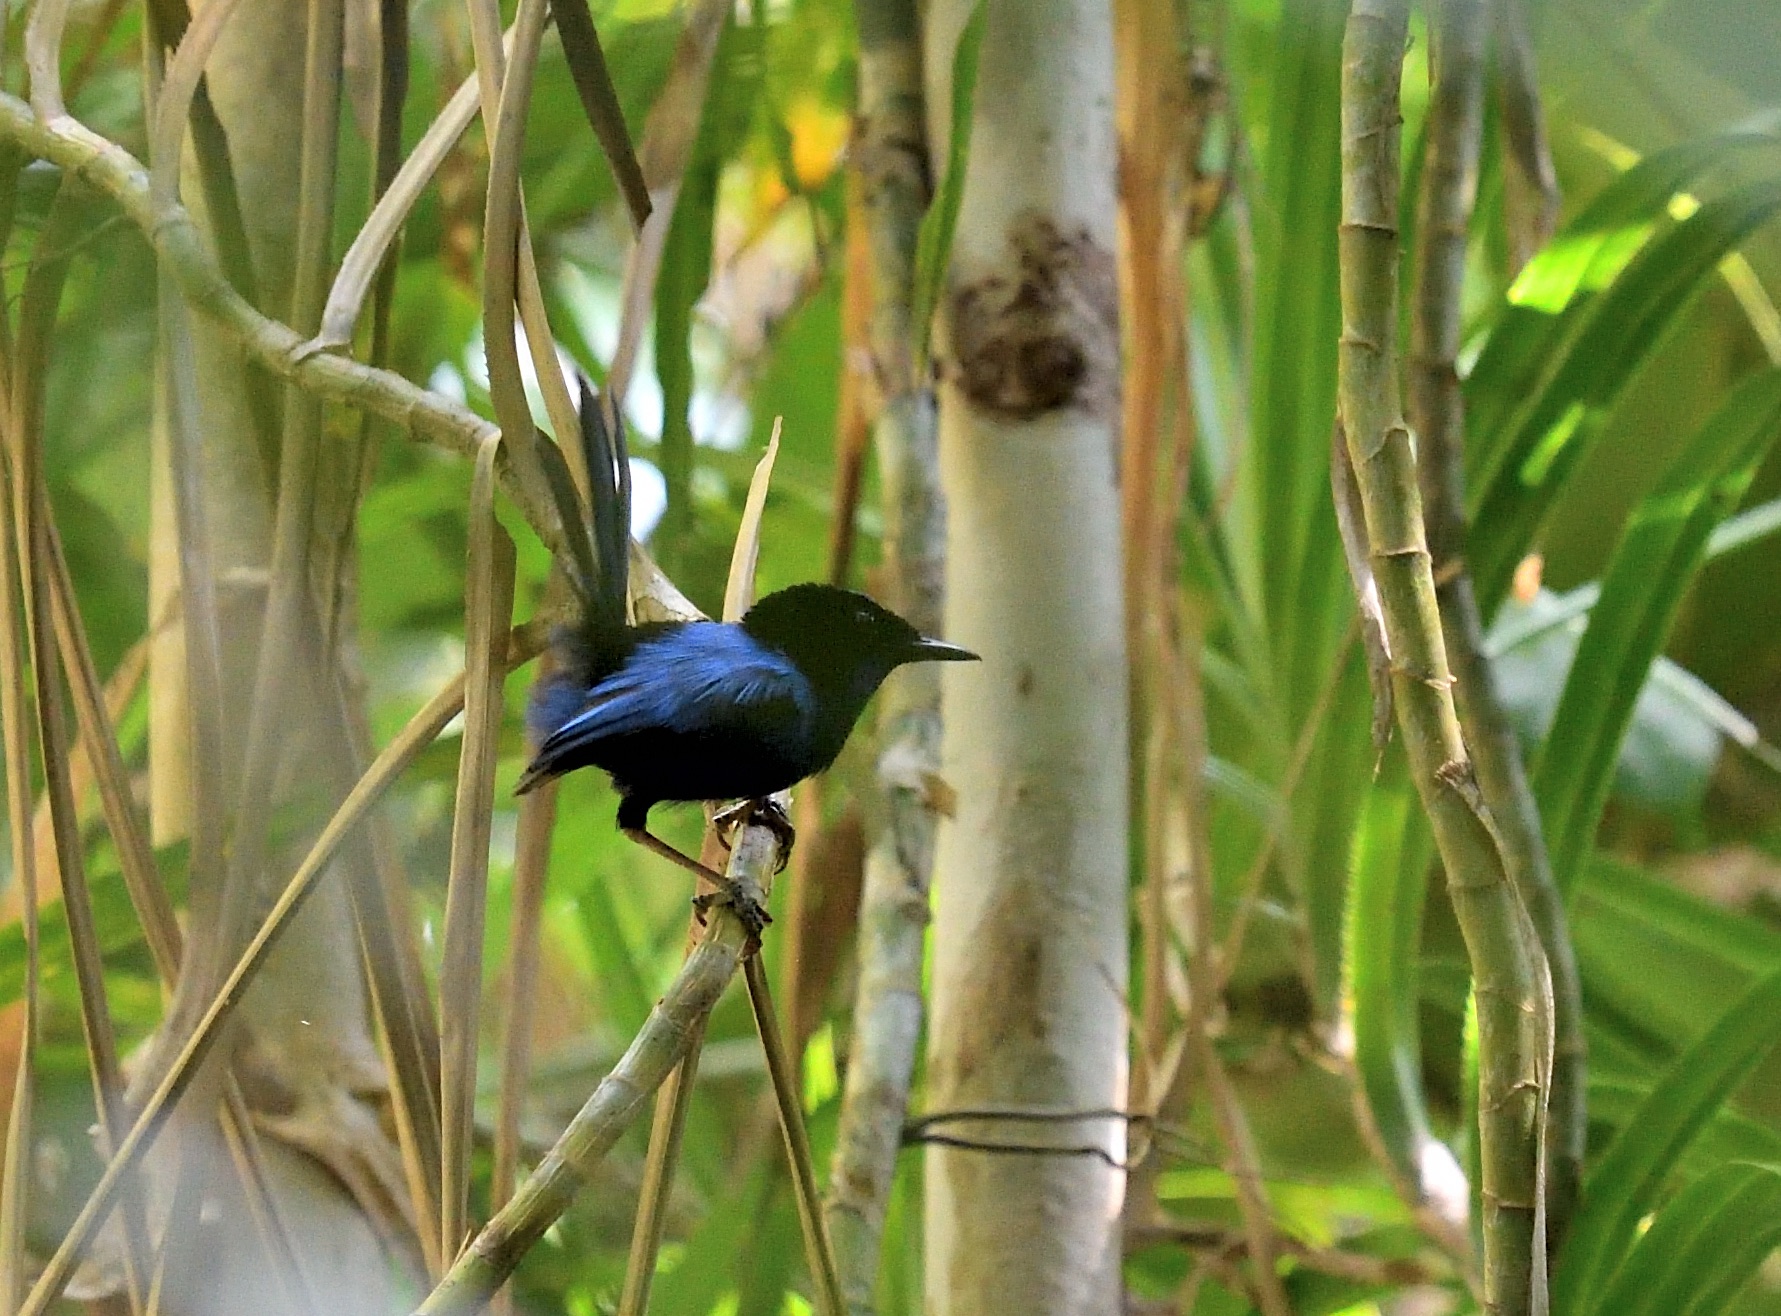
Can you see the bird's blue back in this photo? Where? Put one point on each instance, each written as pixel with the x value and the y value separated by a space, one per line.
pixel 686 678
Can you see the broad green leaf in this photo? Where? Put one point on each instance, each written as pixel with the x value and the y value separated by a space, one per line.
pixel 1292 379
pixel 933 244
pixel 1578 263
pixel 1713 933
pixel 1542 444
pixel 1728 1136
pixel 1701 1247
pixel 1624 1185
pixel 1659 552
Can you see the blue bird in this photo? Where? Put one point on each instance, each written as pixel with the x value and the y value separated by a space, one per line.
pixel 700 710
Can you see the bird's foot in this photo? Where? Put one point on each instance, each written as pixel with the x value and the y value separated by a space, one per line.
pixel 768 813
pixel 749 912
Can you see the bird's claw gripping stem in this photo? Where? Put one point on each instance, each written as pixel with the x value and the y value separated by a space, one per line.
pixel 768 813
pixel 748 911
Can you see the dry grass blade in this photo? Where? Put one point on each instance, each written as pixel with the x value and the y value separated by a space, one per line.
pixel 508 272
pixel 179 85
pixel 154 909
pixel 37 314
pixel 124 684
pixel 358 268
pixel 593 83
pixel 738 596
pixel 739 588
pixel 672 1102
pixel 422 730
pixel 487 606
pixel 531 867
pixel 14 709
pixel 510 269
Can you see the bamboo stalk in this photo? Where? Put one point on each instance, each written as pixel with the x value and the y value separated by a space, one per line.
pixel 289 587
pixel 1452 145
pixel 891 160
pixel 1507 964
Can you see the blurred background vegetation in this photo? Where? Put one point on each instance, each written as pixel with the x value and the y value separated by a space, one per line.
pixel 1662 122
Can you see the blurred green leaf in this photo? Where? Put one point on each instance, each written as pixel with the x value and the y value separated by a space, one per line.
pixel 1701 1247
pixel 1624 1185
pixel 1541 445
pixel 933 244
pixel 1659 552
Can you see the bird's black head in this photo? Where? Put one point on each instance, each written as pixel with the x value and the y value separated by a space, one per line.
pixel 842 640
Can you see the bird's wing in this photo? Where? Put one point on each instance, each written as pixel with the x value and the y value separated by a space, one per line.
pixel 697 678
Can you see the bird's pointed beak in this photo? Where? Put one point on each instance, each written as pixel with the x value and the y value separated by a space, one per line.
pixel 925 650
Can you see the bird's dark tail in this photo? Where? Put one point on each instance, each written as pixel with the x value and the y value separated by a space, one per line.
pixel 598 541
pixel 609 481
pixel 597 538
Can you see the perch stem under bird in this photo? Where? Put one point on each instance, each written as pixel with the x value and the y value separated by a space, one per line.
pixel 684 711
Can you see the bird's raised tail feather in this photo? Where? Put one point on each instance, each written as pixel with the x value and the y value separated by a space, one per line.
pixel 609 478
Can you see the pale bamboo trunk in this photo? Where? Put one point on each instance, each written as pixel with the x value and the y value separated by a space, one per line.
pixel 306 1018
pixel 1030 947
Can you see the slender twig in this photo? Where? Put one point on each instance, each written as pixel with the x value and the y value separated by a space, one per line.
pixel 1452 146
pixel 788 1095
pixel 1507 963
